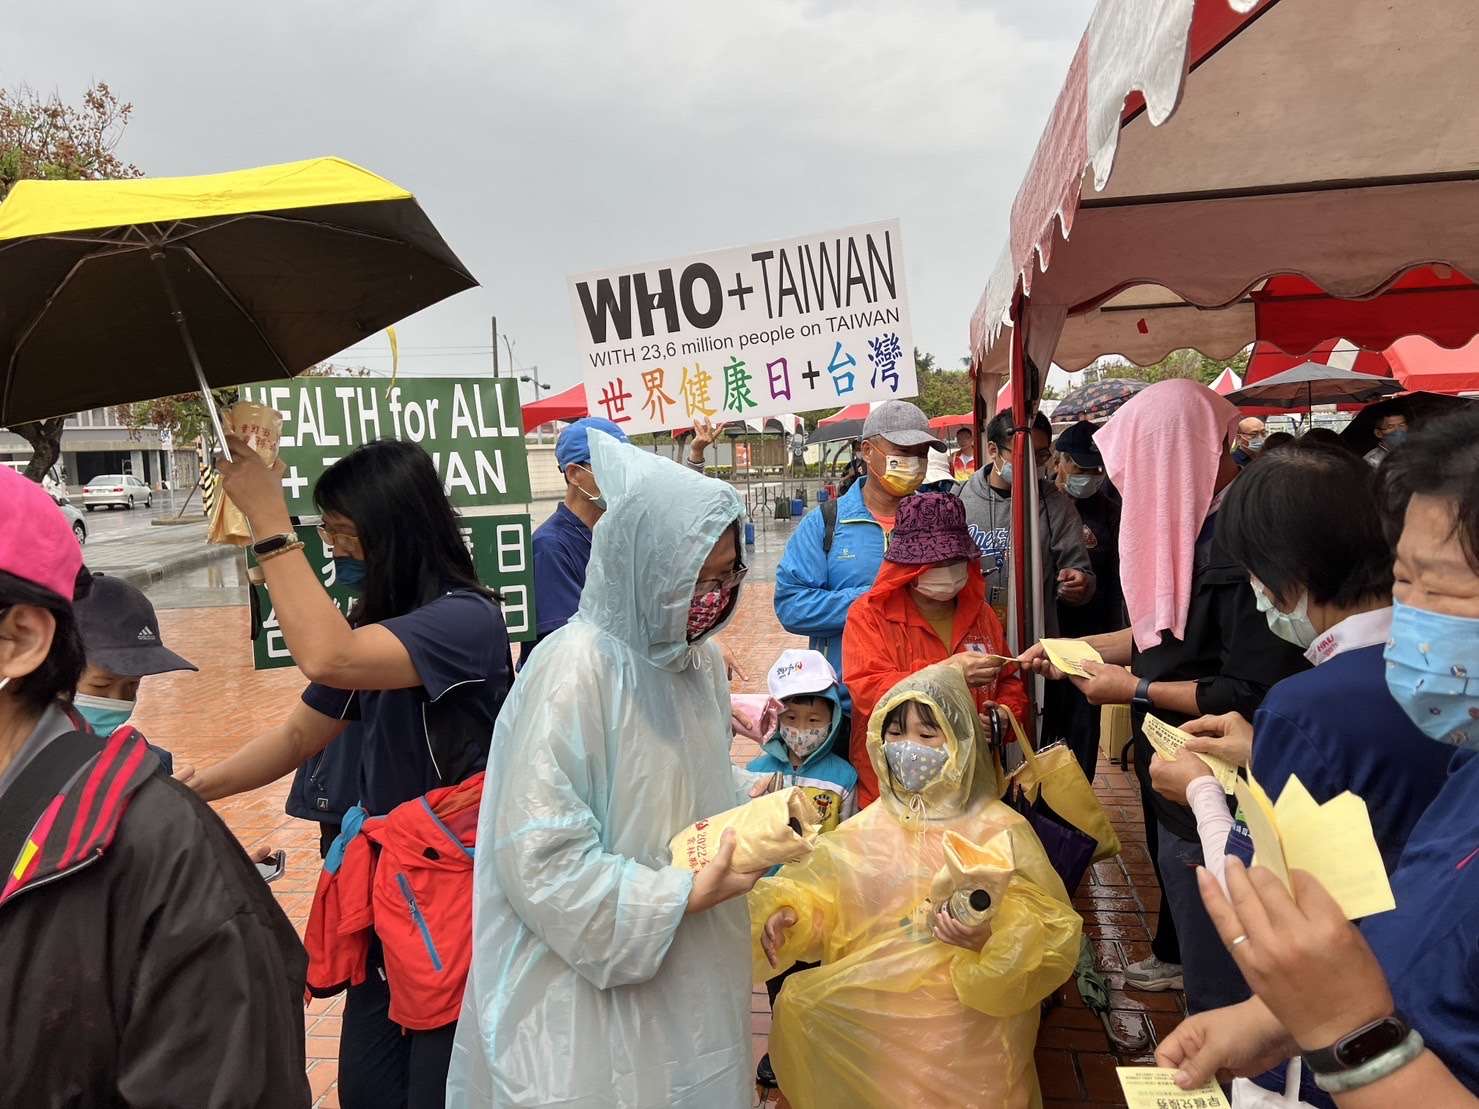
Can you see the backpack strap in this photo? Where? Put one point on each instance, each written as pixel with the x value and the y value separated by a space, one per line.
pixel 829 524
pixel 45 776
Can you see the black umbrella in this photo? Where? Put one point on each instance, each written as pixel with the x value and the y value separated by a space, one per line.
pixel 831 433
pixel 1096 401
pixel 1313 383
pixel 119 291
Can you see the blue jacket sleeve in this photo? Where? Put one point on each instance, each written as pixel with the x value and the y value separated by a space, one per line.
pixel 805 601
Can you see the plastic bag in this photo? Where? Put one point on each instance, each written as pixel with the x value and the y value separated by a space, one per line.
pixel 1055 776
pixel 778 828
pixel 970 867
pixel 261 427
pixel 754 715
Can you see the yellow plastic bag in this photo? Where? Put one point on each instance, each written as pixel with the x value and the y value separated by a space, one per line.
pixel 261 427
pixel 1055 775
pixel 1115 730
pixel 778 828
pixel 969 866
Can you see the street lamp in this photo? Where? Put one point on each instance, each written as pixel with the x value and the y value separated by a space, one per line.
pixel 538 385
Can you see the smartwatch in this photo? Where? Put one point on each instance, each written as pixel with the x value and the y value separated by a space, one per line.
pixel 1142 700
pixel 273 543
pixel 1360 1046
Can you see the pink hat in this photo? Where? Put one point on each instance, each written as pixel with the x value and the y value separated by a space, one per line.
pixel 36 542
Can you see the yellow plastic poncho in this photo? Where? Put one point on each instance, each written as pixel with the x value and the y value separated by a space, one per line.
pixel 894 1017
pixel 590 987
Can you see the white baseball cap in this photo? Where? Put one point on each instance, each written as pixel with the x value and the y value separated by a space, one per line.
pixel 800 673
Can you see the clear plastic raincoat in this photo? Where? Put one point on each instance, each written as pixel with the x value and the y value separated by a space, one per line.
pixel 589 986
pixel 894 1017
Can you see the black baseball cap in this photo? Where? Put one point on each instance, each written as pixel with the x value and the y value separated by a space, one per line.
pixel 120 632
pixel 1078 444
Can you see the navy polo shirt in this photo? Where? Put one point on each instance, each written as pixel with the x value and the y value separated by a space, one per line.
pixel 438 733
pixel 1428 946
pixel 562 550
pixel 1337 728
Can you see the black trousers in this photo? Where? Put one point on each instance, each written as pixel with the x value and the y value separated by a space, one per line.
pixel 382 1065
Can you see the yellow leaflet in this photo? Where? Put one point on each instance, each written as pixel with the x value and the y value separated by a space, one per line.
pixel 1154 1088
pixel 1333 842
pixel 1069 655
pixel 1262 826
pixel 1168 741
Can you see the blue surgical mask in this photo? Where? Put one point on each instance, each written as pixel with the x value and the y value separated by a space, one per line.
pixel 104 713
pixel 1004 471
pixel 1430 658
pixel 1292 627
pixel 914 765
pixel 349 572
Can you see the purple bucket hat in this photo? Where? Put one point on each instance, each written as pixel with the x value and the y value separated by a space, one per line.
pixel 929 528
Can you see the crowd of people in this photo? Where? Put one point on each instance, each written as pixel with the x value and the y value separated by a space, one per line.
pixel 499 897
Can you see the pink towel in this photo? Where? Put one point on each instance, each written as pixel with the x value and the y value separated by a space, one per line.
pixel 1162 450
pixel 754 715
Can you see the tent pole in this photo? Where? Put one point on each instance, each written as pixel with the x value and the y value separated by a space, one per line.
pixel 1022 532
pixel 156 255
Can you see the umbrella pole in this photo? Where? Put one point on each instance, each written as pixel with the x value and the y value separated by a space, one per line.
pixel 156 255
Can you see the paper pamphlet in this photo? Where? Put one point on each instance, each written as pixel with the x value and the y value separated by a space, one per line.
pixel 1155 1088
pixel 1069 655
pixel 1168 741
pixel 1333 841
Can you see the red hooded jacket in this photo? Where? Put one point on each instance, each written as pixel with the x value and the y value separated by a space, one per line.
pixel 887 638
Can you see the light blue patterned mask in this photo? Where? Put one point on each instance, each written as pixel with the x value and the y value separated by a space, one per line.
pixel 1433 673
pixel 914 765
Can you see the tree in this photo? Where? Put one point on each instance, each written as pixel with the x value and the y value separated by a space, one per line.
pixel 941 392
pixel 1179 363
pixel 46 138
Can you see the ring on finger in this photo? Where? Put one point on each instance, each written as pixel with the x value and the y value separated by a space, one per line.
pixel 1238 940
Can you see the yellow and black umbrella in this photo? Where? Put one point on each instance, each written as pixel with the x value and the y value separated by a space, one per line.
pixel 119 291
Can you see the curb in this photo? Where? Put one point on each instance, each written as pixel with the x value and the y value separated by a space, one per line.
pixel 151 572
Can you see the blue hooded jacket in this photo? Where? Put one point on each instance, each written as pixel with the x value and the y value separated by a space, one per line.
pixel 828 779
pixel 813 591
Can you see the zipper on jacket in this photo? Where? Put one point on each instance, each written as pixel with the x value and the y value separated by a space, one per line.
pixel 419 920
pixel 39 882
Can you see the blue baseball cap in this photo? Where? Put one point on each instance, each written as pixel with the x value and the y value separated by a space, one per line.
pixel 573 445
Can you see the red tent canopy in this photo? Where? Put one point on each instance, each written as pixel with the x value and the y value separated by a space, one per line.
pixel 569 405
pixel 940 423
pixel 851 412
pixel 1423 366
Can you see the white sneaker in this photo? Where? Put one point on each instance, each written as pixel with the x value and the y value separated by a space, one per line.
pixel 1153 975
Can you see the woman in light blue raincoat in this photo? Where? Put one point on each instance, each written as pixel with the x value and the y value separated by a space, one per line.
pixel 601 975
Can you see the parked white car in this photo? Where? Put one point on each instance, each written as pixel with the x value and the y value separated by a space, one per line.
pixel 74 517
pixel 123 490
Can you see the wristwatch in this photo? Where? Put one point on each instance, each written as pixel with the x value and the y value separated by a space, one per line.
pixel 1142 700
pixel 273 543
pixel 1360 1046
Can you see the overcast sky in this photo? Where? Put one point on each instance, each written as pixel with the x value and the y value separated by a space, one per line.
pixel 548 139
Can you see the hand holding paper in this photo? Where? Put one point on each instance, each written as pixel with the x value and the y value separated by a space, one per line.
pixel 1333 842
pixel 1069 655
pixel 1155 1088
pixel 1168 742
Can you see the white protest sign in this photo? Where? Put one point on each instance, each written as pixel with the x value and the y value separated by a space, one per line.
pixel 794 325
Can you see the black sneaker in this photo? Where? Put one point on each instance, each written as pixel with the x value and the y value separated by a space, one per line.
pixel 764 1076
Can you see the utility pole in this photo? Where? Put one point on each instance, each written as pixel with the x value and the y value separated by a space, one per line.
pixel 495 345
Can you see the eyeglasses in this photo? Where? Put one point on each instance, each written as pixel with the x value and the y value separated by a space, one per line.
pixel 730 580
pixel 328 535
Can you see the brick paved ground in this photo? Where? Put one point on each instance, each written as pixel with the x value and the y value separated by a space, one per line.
pixel 202 717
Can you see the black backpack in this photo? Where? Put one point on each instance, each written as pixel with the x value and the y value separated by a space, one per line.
pixel 829 524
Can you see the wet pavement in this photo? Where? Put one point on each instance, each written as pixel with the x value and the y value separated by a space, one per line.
pixel 202 717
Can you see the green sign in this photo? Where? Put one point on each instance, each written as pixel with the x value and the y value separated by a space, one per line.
pixel 472 427
pixel 500 552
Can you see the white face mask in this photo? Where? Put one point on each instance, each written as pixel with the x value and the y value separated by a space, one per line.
pixel 1292 627
pixel 942 583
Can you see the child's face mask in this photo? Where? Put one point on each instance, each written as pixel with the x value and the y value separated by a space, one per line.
pixel 914 765
pixel 801 742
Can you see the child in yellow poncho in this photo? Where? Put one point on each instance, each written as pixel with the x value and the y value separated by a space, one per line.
pixel 911 1008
